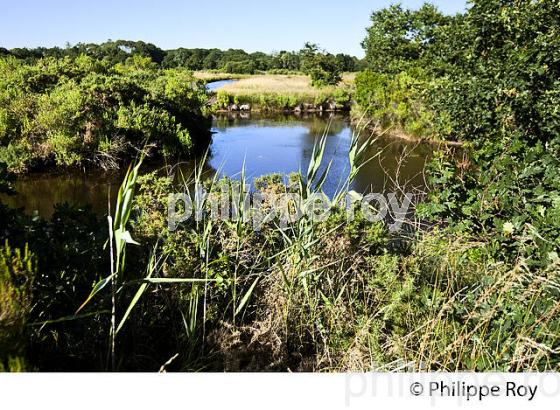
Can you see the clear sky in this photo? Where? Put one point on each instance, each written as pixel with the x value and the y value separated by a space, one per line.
pixel 253 25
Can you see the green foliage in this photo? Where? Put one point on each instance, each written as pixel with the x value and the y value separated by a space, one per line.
pixel 112 52
pixel 502 97
pixel 241 62
pixel 231 60
pixel 404 65
pixel 323 68
pixel 396 100
pixel 17 274
pixel 488 78
pixel 72 261
pixel 504 82
pixel 491 80
pixel 399 38
pixel 240 67
pixel 275 101
pixel 82 111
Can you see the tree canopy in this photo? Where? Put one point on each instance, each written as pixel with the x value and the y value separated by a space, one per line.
pixel 232 60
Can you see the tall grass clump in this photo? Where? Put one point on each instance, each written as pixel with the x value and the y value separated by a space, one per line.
pixel 119 238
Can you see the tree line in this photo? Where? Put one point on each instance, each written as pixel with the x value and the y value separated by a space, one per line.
pixel 235 61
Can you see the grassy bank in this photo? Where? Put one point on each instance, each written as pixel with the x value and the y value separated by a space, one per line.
pixel 397 128
pixel 283 92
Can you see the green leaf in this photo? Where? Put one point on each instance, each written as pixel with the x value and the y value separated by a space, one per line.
pixel 96 289
pixel 246 297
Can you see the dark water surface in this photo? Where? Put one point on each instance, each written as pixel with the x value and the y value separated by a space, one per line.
pixel 280 144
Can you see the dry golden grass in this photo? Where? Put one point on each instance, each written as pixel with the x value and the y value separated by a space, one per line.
pixel 298 85
pixel 216 76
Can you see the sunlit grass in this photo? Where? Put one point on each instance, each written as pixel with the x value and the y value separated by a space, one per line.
pixel 216 76
pixel 281 84
pixel 283 92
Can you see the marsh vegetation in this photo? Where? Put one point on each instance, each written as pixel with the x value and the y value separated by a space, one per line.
pixel 284 93
pixel 470 283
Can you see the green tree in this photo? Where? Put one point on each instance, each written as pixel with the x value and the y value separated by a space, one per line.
pixel 212 59
pixel 399 38
pixel 323 68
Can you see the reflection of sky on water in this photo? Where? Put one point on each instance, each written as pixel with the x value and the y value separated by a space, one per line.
pixel 282 144
pixel 286 145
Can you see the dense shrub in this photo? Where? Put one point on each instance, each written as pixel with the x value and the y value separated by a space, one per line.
pixel 490 79
pixel 502 98
pixel 84 111
pixel 396 100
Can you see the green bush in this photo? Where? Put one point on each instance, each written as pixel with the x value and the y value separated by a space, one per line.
pixel 396 100
pixel 323 68
pixel 502 98
pixel 72 112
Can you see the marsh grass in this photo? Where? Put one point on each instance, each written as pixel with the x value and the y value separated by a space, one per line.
pixel 281 84
pixel 208 76
pixel 282 92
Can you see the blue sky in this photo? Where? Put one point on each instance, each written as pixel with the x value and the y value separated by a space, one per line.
pixel 253 25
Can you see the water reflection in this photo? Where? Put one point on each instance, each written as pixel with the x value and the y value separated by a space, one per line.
pixel 40 192
pixel 278 144
pixel 284 144
pixel 214 85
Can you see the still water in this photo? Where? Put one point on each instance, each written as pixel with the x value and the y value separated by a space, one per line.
pixel 279 144
pixel 214 85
